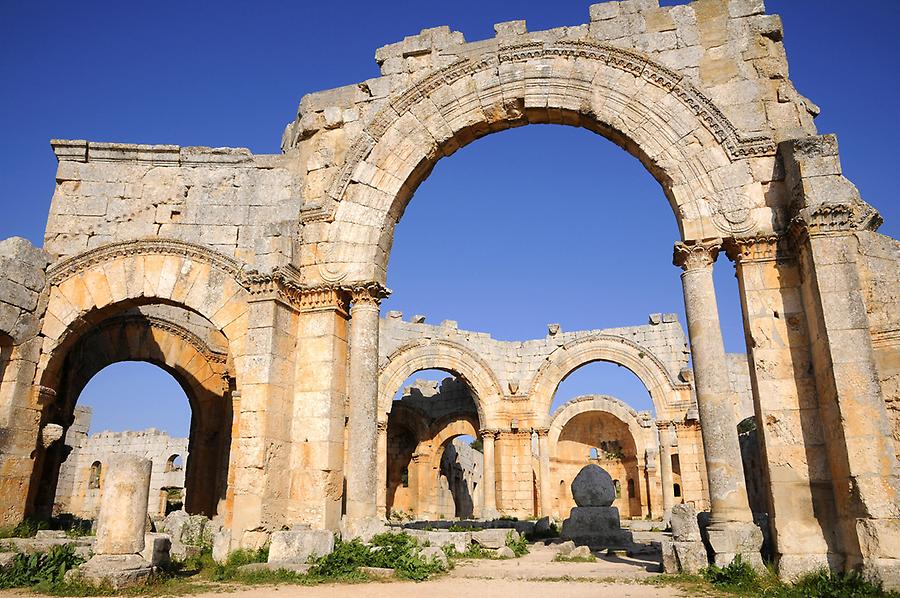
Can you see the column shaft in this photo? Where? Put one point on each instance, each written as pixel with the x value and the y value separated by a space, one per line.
pixel 728 493
pixel 362 461
pixel 665 470
pixel 489 482
pixel 544 457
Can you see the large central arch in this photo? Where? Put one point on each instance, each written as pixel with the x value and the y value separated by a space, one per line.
pixel 655 114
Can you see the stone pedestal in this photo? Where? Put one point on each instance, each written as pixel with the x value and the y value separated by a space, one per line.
pixel 685 552
pixel 596 527
pixel 120 525
pixel 594 522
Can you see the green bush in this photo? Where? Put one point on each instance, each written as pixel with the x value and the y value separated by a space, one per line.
pixel 833 585
pixel 518 544
pixel 39 568
pixel 399 552
pixel 737 576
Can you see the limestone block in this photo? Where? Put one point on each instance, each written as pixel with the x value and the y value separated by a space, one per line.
pixel 378 572
pixel 683 520
pixel 580 552
pixel 492 538
pixel 565 548
pixel 458 540
pixel 593 487
pixel 505 552
pixel 118 570
pixel 221 545
pixel 156 549
pixel 691 557
pixel 299 546
pixel 435 553
pixel 364 528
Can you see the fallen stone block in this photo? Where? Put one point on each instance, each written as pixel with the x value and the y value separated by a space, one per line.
pixel 580 552
pixel 299 546
pixel 493 538
pixel 118 570
pixel 505 552
pixel 434 553
pixel 156 549
pixel 565 548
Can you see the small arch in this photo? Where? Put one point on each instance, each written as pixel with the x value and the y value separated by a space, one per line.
pixel 94 475
pixel 174 463
pixel 593 453
pixel 630 487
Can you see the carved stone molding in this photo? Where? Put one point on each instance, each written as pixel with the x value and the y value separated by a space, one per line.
pixel 68 267
pixel 541 431
pixel 45 395
pixel 761 248
pixel 833 218
pixel 492 432
pixel 697 254
pixel 735 144
pixel 381 427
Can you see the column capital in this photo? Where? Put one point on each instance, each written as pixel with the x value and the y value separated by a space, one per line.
pixel 381 427
pixel 693 255
pixel 541 431
pixel 492 432
pixel 760 248
pixel 368 294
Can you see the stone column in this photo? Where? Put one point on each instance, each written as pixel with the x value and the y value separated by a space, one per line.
pixel 731 529
pixel 381 480
pixel 121 524
pixel 362 460
pixel 489 480
pixel 665 468
pixel 544 459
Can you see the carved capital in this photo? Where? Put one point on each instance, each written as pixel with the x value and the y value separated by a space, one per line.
pixel 381 427
pixel 367 294
pixel 45 395
pixel 542 431
pixel 488 432
pixel 696 254
pixel 761 248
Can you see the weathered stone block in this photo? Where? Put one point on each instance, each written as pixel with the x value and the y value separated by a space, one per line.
pixel 299 546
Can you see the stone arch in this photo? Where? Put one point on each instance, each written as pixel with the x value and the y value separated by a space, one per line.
pixel 634 494
pixel 202 371
pixel 615 407
pixel 443 431
pixel 439 355
pixel 668 396
pixel 161 271
pixel 655 114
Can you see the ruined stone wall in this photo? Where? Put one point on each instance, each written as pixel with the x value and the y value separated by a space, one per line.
pixel 76 495
pixel 238 204
pixel 516 363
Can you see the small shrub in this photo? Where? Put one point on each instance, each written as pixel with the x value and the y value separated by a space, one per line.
pixel 737 576
pixel 827 583
pixel 399 552
pixel 44 568
pixel 26 528
pixel 518 544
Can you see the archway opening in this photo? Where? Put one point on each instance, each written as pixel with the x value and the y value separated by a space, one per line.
pixel 156 381
pixel 603 439
pixel 603 378
pixel 432 469
pixel 113 416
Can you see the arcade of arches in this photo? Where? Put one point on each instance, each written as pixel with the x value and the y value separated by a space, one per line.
pixel 256 280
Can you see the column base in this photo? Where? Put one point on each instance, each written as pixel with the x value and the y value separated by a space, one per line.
pixel 793 566
pixel 119 570
pixel 726 540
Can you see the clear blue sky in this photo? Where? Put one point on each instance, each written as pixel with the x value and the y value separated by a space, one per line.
pixel 232 73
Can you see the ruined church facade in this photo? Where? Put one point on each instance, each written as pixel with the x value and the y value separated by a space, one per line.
pixel 256 280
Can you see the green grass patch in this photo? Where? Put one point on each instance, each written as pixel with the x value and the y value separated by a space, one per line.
pixel 518 544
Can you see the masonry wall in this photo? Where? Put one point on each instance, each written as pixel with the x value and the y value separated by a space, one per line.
pixel 75 493
pixel 227 199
